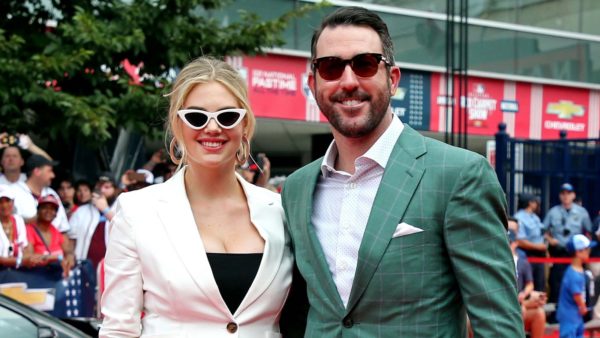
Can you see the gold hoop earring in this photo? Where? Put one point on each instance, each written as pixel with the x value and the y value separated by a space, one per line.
pixel 173 151
pixel 244 152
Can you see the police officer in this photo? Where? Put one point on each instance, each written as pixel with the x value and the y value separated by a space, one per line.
pixel 531 236
pixel 563 221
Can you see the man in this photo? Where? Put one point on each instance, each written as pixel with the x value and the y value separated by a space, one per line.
pixel 40 173
pixel 563 221
pixel 531 236
pixel 396 235
pixel 12 159
pixel 90 222
pixel 532 302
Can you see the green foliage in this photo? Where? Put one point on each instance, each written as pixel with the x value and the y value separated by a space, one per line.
pixel 67 82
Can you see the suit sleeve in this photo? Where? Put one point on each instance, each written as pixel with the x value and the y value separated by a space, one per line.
pixel 476 240
pixel 122 300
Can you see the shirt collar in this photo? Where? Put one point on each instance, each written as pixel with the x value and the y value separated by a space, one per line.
pixel 379 152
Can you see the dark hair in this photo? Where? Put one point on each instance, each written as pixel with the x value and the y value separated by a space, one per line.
pixel 356 16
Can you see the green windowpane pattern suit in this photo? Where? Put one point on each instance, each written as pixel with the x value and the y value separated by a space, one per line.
pixel 421 284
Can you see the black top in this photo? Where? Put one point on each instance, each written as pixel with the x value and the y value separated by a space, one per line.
pixel 234 274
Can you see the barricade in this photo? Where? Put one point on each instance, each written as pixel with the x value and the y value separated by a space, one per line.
pixel 45 289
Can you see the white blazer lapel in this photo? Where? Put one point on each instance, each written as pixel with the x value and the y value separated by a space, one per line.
pixel 178 221
pixel 270 226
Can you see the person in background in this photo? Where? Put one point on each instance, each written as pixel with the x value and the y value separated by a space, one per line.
pixel 562 222
pixel 66 192
pixel 12 158
pixel 204 254
pixel 47 242
pixel 571 302
pixel 257 173
pixel 395 234
pixel 90 224
pixel 532 301
pixel 136 179
pixel 15 250
pixel 531 236
pixel 105 195
pixel 83 192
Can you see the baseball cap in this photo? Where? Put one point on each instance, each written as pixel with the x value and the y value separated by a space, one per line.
pixel 567 187
pixel 48 199
pixel 149 177
pixel 107 176
pixel 38 161
pixel 6 192
pixel 580 242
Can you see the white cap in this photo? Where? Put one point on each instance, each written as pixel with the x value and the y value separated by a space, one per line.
pixel 148 174
pixel 6 192
pixel 580 242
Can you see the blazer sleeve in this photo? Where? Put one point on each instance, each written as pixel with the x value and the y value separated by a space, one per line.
pixel 122 300
pixel 476 240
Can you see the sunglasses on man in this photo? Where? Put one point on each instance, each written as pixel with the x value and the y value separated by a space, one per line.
pixel 364 65
pixel 198 118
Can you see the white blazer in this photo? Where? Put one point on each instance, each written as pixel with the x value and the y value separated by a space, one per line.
pixel 156 263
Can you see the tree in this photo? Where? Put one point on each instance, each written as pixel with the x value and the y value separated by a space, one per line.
pixel 64 63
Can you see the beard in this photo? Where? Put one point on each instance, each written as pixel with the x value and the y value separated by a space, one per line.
pixel 355 129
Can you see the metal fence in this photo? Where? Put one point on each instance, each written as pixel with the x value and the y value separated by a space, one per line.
pixel 540 167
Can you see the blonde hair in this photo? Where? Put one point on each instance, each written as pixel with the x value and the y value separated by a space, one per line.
pixel 199 71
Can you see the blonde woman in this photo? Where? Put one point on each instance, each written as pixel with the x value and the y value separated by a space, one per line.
pixel 205 253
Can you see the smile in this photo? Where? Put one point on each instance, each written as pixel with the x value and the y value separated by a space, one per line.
pixel 211 144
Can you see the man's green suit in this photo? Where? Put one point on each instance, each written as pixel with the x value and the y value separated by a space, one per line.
pixel 416 285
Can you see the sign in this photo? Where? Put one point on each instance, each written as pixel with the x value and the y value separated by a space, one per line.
pixel 411 102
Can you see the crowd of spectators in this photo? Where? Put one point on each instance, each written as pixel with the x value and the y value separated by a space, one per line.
pixel 42 225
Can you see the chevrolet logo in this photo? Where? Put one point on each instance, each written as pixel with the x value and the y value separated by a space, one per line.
pixel 565 109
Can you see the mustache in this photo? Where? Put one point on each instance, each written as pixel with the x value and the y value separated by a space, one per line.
pixel 355 94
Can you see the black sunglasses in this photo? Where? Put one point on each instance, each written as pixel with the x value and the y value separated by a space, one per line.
pixel 364 65
pixel 198 119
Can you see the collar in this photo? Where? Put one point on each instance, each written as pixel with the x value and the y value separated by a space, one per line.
pixel 379 152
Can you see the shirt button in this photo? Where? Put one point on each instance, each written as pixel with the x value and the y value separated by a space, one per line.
pixel 348 322
pixel 232 327
pixel 341 266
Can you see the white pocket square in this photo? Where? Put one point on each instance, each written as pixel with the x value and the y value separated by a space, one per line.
pixel 404 229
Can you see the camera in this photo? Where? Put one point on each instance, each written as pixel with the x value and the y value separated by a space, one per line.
pixel 10 139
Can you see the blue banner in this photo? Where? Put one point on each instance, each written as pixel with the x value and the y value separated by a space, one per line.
pixel 74 296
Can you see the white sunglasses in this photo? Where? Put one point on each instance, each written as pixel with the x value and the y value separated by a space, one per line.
pixel 198 119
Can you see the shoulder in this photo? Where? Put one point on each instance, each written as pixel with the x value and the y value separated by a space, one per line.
pixel 300 175
pixel 441 151
pixel 256 193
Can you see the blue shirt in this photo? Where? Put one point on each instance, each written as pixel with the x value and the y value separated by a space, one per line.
pixel 573 283
pixel 563 224
pixel 531 227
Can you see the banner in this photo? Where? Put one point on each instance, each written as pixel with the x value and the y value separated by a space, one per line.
pixel 277 88
pixel 45 289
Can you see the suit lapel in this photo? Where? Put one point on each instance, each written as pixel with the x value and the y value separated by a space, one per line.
pixel 305 194
pixel 176 217
pixel 268 222
pixel 400 180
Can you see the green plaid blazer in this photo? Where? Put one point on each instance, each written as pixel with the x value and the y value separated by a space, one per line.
pixel 422 284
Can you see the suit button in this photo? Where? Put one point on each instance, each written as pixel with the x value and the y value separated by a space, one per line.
pixel 232 327
pixel 348 322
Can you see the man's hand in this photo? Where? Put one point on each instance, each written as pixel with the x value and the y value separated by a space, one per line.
pixel 99 201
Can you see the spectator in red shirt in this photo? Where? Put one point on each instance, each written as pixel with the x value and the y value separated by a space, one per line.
pixel 46 240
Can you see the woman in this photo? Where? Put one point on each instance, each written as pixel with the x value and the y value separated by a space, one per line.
pixel 48 244
pixel 205 253
pixel 14 251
